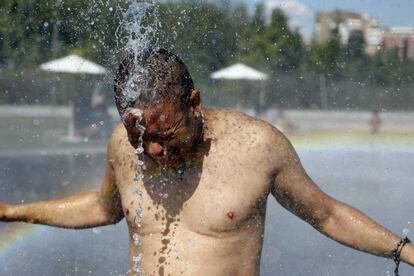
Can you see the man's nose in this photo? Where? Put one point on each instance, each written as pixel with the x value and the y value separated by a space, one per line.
pixel 155 149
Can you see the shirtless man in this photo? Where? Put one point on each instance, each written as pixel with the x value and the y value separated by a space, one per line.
pixel 200 207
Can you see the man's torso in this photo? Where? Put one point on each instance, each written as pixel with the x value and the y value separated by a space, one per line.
pixel 208 220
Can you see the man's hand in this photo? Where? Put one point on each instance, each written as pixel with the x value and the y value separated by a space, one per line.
pixel 4 209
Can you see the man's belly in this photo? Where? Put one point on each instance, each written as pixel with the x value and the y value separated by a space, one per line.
pixel 184 252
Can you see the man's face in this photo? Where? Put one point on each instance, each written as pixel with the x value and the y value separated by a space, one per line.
pixel 170 131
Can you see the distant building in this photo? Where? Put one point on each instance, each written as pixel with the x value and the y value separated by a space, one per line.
pixel 348 22
pixel 401 38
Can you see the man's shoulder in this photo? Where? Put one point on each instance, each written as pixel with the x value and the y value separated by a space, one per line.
pixel 119 132
pixel 241 122
pixel 248 127
pixel 234 118
pixel 118 140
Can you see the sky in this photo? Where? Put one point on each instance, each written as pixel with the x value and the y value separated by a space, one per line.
pixel 301 12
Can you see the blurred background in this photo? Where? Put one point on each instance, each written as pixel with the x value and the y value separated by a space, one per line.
pixel 337 78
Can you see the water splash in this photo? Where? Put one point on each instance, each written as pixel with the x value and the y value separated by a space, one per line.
pixel 137 239
pixel 139 26
pixel 137 263
pixel 139 164
pixel 138 29
pixel 138 217
pixel 406 231
pixel 136 33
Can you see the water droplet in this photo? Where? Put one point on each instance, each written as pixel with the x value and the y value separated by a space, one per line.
pixel 139 150
pixel 405 231
pixel 96 231
pixel 137 239
pixel 137 191
pixel 138 177
pixel 137 260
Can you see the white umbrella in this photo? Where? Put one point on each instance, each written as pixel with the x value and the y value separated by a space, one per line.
pixel 239 71
pixel 73 64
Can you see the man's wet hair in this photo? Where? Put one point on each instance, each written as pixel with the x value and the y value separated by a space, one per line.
pixel 154 75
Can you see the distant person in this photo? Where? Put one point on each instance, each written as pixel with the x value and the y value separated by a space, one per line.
pixel 99 120
pixel 200 207
pixel 81 116
pixel 375 122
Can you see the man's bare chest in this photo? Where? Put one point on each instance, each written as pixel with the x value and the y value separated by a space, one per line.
pixel 219 195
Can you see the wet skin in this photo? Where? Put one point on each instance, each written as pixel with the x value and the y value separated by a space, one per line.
pixel 211 222
pixel 203 204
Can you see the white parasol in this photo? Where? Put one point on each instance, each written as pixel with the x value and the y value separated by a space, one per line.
pixel 73 64
pixel 239 71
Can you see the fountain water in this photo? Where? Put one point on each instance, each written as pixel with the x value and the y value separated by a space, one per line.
pixel 137 30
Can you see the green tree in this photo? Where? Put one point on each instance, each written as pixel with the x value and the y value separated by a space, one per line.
pixel 328 58
pixel 405 50
pixel 356 45
pixel 273 47
pixel 250 47
pixel 284 47
pixel 356 61
pixel 203 35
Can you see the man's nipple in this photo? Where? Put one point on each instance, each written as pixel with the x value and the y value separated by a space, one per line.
pixel 230 215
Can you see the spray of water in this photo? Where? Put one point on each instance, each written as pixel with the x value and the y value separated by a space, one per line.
pixel 136 33
pixel 138 27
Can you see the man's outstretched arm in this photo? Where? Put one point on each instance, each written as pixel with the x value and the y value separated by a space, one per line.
pixel 78 211
pixel 294 190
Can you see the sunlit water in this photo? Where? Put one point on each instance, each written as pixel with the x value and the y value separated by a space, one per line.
pixel 377 181
pixel 138 27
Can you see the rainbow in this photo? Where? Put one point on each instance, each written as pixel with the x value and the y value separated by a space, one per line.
pixel 16 233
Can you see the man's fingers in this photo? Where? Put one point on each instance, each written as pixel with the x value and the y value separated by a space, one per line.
pixel 132 120
pixel 3 211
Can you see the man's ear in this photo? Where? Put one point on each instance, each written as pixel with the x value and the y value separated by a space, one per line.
pixel 195 101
